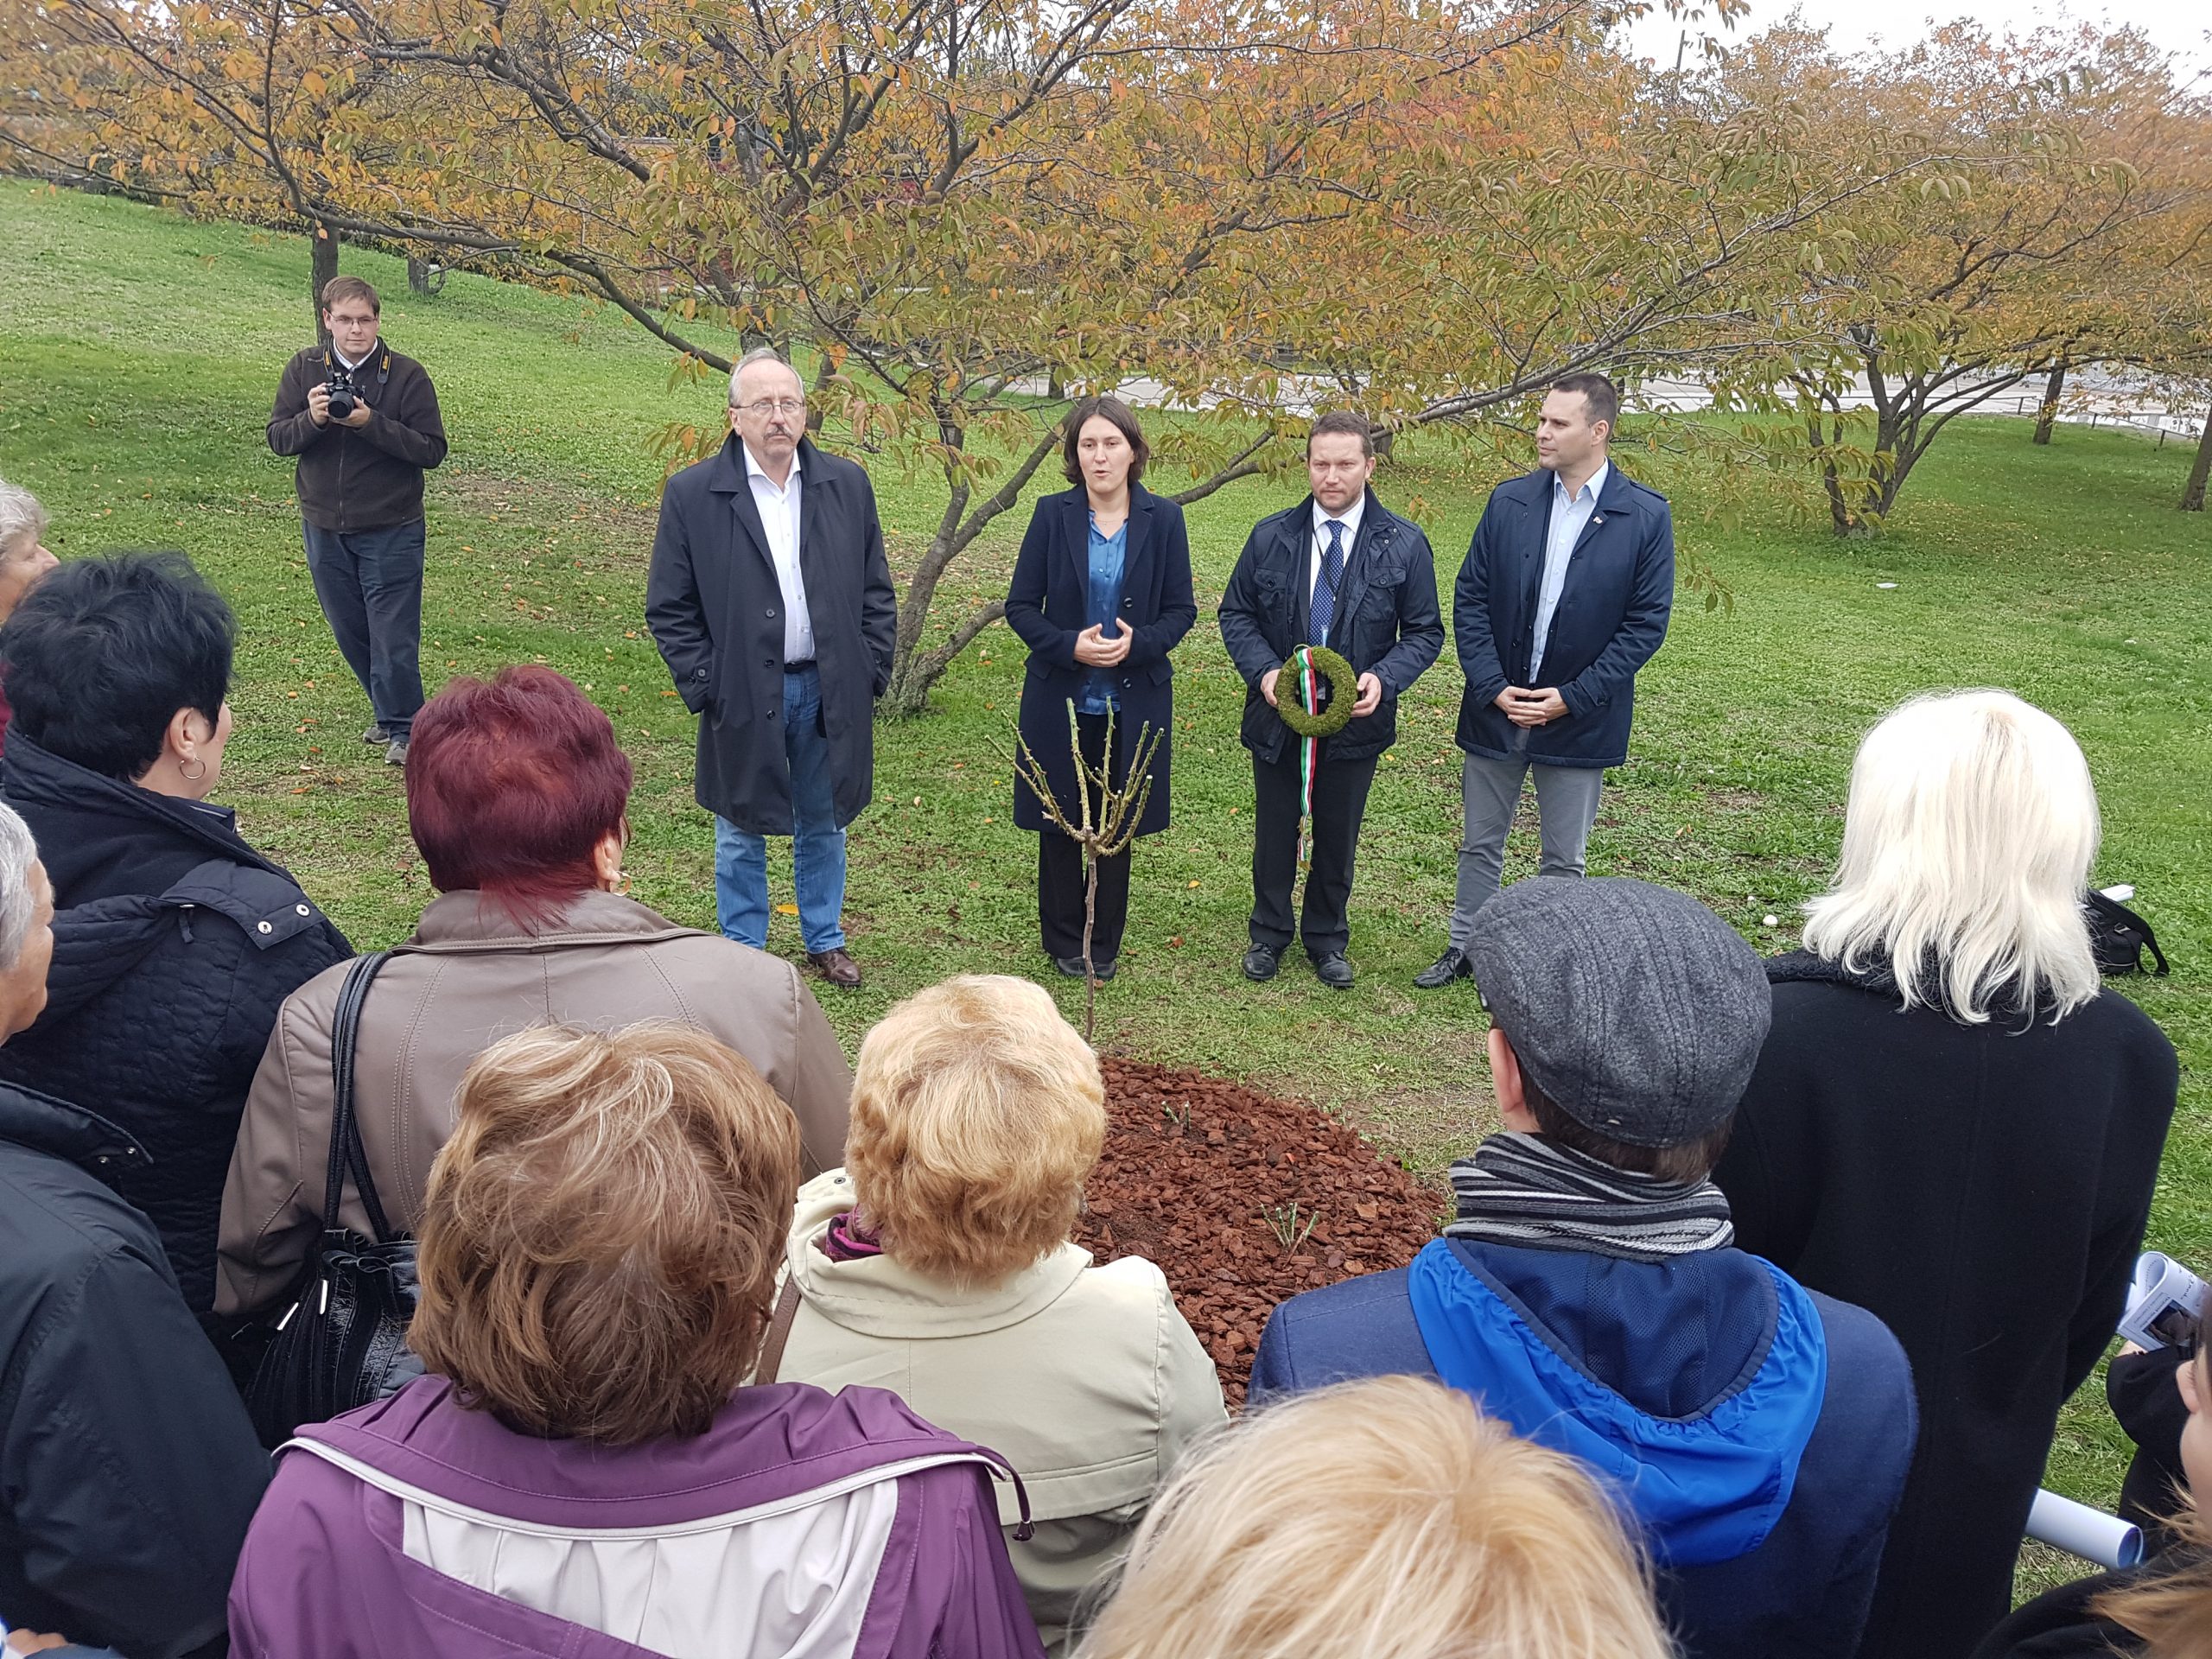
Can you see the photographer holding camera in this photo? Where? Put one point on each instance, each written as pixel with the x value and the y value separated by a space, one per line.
pixel 363 421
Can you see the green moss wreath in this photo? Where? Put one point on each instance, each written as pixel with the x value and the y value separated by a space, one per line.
pixel 1343 691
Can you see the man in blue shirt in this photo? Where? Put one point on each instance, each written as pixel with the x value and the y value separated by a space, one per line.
pixel 1564 594
pixel 1588 1292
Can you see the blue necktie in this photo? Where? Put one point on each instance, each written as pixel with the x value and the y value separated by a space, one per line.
pixel 1325 591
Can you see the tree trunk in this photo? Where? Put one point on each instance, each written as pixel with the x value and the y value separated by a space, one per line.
pixel 2192 495
pixel 424 278
pixel 816 398
pixel 322 268
pixel 2047 417
pixel 1840 514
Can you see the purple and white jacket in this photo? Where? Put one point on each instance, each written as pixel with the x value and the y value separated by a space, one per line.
pixel 801 1523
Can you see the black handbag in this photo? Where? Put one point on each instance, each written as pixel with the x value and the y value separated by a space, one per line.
pixel 2118 937
pixel 344 1341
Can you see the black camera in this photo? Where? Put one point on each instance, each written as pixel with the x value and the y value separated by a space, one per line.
pixel 343 397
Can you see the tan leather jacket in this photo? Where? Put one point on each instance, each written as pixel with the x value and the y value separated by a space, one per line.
pixel 469 976
pixel 1087 1379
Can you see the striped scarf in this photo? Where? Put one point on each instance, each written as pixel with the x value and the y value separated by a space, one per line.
pixel 1523 1189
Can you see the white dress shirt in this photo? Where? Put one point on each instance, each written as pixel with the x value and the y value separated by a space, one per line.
pixel 779 517
pixel 1320 540
pixel 1570 516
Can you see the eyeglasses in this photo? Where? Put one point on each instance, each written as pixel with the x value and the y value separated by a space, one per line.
pixel 771 406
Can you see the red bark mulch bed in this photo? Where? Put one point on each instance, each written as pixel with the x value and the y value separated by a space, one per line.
pixel 1199 1176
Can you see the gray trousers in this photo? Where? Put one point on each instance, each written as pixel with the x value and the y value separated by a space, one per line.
pixel 1567 806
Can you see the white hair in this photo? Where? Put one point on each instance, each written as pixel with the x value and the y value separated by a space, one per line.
pixel 1966 846
pixel 18 896
pixel 23 521
pixel 759 354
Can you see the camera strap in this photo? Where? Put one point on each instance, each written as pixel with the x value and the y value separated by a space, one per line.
pixel 383 362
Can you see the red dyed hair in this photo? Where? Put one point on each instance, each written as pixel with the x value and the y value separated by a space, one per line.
pixel 510 786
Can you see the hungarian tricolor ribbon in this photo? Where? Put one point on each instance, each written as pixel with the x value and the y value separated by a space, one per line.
pixel 1309 752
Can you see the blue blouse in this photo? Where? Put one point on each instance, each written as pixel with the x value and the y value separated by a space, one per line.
pixel 1107 556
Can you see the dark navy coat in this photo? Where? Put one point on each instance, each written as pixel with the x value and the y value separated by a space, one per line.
pixel 1388 622
pixel 1047 605
pixel 714 605
pixel 1675 1339
pixel 1612 616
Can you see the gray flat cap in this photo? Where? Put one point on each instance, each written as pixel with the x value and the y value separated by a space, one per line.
pixel 1638 1011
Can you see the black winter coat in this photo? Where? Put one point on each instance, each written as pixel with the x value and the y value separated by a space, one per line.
pixel 1387 591
pixel 175 944
pixel 128 1470
pixel 2059 1624
pixel 2146 1402
pixel 1048 605
pixel 714 605
pixel 1982 1189
pixel 1612 616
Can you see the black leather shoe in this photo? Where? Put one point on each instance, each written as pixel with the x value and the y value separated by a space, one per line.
pixel 1452 964
pixel 1334 970
pixel 1261 961
pixel 1072 967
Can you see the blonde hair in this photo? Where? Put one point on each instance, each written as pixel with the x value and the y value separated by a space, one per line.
pixel 978 1112
pixel 2172 1611
pixel 601 1238
pixel 1966 846
pixel 1385 1519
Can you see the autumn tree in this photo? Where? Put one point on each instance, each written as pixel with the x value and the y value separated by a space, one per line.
pixel 966 211
pixel 2046 172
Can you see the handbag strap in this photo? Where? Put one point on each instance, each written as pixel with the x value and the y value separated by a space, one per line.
pixel 346 1152
pixel 2119 915
pixel 779 1331
pixel 2150 942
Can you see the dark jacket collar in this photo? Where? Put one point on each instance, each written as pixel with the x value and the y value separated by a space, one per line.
pixel 46 1124
pixel 1377 526
pixel 725 467
pixel 1618 495
pixel 1075 530
pixel 725 476
pixel 1802 967
pixel 90 828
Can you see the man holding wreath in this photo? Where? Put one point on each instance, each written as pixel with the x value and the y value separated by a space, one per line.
pixel 1341 593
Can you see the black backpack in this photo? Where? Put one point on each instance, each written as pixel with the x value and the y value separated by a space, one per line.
pixel 2119 936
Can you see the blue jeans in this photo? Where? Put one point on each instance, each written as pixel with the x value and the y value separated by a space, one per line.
pixel 817 844
pixel 370 583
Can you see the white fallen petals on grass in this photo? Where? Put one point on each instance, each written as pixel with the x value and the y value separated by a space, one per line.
pixel 1770 921
pixel 1885 584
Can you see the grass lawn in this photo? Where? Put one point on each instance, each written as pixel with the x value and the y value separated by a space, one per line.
pixel 139 352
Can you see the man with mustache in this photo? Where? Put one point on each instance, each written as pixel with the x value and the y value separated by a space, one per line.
pixel 772 604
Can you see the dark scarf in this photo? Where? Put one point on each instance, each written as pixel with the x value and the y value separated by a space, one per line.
pixel 1526 1190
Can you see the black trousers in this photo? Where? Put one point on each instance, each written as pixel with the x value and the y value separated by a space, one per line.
pixel 1339 802
pixel 1059 868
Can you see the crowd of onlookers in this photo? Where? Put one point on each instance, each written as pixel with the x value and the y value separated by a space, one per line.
pixel 1747 1335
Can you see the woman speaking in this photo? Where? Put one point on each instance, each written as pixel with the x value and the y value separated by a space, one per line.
pixel 1101 593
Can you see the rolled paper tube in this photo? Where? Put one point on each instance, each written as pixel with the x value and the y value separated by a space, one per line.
pixel 2080 1531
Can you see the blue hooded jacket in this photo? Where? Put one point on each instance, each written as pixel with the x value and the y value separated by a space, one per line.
pixel 1759 1433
